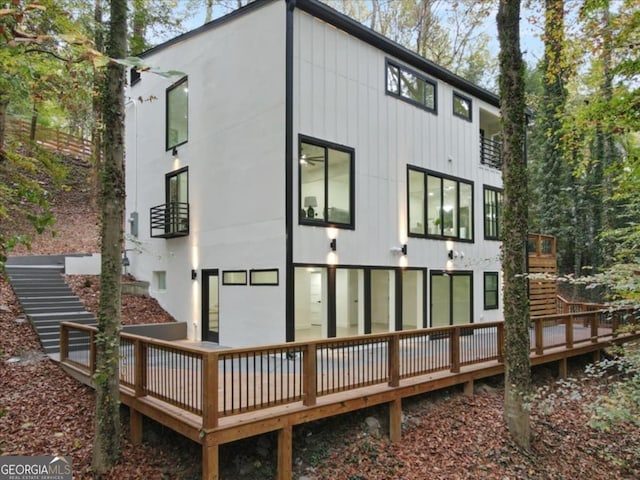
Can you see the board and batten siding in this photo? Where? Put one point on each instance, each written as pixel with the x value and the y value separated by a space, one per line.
pixel 235 155
pixel 340 97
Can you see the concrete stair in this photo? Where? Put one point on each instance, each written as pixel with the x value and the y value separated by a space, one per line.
pixel 47 300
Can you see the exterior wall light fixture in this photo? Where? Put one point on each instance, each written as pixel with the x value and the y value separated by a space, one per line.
pixel 194 274
pixel 333 245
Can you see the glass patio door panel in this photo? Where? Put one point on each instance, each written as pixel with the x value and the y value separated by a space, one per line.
pixel 461 299
pixel 451 299
pixel 349 304
pixel 310 303
pixel 440 300
pixel 412 299
pixel 210 306
pixel 383 301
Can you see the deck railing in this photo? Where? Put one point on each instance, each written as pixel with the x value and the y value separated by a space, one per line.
pixel 227 382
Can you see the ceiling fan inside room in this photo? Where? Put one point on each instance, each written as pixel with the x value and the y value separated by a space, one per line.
pixel 311 158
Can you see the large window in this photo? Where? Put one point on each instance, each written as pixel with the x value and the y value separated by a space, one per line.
pixel 439 207
pixel 411 87
pixel 492 213
pixel 326 183
pixel 490 290
pixel 177 114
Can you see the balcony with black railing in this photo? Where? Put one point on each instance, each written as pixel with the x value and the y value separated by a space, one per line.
pixel 491 152
pixel 170 220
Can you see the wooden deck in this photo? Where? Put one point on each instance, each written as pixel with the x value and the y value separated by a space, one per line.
pixel 218 396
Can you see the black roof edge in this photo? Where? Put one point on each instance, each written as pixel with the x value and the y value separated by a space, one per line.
pixel 352 27
pixel 367 35
pixel 256 4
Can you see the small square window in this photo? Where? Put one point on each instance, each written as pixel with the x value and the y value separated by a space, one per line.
pixel 462 106
pixel 263 277
pixel 160 280
pixel 234 277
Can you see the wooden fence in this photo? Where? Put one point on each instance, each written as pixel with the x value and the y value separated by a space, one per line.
pixel 50 138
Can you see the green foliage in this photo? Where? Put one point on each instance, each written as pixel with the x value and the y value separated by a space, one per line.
pixel 22 194
pixel 621 403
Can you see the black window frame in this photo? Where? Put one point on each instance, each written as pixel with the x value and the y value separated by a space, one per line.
pixel 398 93
pixel 134 76
pixel 464 99
pixel 497 199
pixel 495 305
pixel 324 221
pixel 226 281
pixel 426 174
pixel 168 144
pixel 252 281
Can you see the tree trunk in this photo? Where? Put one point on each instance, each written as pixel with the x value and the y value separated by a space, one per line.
pixel 96 129
pixel 515 216
pixel 106 448
pixel 4 103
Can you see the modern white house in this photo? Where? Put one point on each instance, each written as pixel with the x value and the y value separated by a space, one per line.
pixel 309 178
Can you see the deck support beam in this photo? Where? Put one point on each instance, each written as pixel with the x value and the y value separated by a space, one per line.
pixel 395 420
pixel 596 355
pixel 135 425
pixel 468 388
pixel 562 368
pixel 210 459
pixel 285 453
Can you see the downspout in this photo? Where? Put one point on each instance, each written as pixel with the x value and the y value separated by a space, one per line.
pixel 289 274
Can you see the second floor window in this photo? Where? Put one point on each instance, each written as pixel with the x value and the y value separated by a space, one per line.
pixel 439 206
pixel 326 183
pixel 177 119
pixel 492 213
pixel 411 87
pixel 461 106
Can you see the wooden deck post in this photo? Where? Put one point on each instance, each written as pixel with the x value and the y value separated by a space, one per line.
pixel 285 453
pixel 500 340
pixel 568 329
pixel 135 425
pixel 210 391
pixel 394 361
pixel 309 375
pixel 395 420
pixel 615 323
pixel 562 367
pixel 595 321
pixel 210 459
pixel 454 350
pixel 539 337
pixel 140 373
pixel 64 342
pixel 596 355
pixel 468 388
pixel 92 353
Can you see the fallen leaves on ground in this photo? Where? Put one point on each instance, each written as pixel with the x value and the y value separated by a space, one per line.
pixel 446 436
